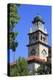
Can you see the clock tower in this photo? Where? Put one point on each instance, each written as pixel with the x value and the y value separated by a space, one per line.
pixel 38 44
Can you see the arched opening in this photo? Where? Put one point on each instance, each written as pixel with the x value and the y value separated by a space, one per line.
pixel 44 52
pixel 33 52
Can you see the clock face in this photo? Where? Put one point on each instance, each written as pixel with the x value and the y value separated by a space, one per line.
pixel 44 52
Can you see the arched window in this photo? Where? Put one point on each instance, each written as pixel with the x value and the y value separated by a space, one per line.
pixel 44 52
pixel 33 52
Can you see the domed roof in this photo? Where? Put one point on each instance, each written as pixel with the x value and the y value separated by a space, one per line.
pixel 38 18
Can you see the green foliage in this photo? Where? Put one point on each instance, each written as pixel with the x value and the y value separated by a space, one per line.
pixel 42 69
pixel 33 72
pixel 13 18
pixel 20 69
pixel 22 66
pixel 13 44
pixel 13 71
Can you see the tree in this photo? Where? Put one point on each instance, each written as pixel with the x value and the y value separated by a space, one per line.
pixel 13 18
pixel 13 71
pixel 20 68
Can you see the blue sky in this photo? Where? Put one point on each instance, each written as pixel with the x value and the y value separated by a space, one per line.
pixel 27 13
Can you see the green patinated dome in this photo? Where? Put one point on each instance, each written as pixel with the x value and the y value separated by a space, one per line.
pixel 38 18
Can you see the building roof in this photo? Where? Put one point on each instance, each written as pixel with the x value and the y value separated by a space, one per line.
pixel 37 59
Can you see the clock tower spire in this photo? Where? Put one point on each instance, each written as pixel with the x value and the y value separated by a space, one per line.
pixel 38 43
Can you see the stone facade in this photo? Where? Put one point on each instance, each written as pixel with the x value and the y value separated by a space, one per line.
pixel 30 49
